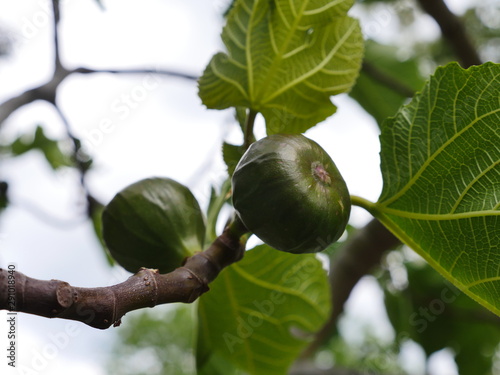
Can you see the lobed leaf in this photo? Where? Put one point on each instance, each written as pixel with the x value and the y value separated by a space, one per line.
pixel 441 171
pixel 261 310
pixel 285 59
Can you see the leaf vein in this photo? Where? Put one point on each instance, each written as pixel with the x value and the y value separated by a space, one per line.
pixel 429 160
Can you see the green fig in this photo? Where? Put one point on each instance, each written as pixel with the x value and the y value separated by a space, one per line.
pixel 288 192
pixel 153 223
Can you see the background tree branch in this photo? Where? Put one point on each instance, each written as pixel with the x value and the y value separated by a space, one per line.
pixel 360 254
pixel 453 31
pixel 48 90
pixel 387 80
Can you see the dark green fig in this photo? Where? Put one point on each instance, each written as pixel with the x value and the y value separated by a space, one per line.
pixel 288 191
pixel 153 223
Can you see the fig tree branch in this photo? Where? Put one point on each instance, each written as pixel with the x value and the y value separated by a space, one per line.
pixel 47 91
pixel 358 258
pixel 165 72
pixel 453 31
pixel 105 306
pixel 387 80
pixel 57 17
pixel 360 254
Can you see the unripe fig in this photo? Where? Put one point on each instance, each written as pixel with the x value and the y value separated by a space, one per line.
pixel 288 191
pixel 153 223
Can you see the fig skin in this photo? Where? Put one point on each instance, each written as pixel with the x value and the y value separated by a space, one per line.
pixel 288 191
pixel 153 223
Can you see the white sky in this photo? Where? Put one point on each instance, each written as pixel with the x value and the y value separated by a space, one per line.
pixel 163 130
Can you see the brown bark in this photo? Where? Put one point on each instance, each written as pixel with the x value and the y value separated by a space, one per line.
pixel 358 257
pixel 103 307
pixel 453 31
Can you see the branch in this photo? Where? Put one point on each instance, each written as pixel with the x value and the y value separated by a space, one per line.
pixel 361 253
pixel 103 307
pixel 57 17
pixel 453 31
pixel 82 165
pixel 165 72
pixel 387 80
pixel 46 92
pixel 47 217
pixel 11 105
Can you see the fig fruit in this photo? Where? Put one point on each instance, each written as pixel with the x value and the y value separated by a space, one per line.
pixel 153 223
pixel 288 192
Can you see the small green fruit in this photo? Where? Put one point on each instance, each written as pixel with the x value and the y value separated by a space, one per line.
pixel 153 223
pixel 288 191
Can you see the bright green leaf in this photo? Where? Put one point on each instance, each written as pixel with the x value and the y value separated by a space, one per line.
pixel 259 310
pixel 441 171
pixel 285 59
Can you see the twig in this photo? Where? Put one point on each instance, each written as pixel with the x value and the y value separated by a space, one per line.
pixel 57 17
pixel 47 217
pixel 13 104
pixel 165 72
pixel 387 80
pixel 453 31
pixel 103 307
pixel 81 165
pixel 47 91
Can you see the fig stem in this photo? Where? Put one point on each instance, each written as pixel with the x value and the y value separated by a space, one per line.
pixel 364 203
pixel 248 135
pixel 236 227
